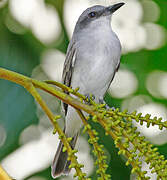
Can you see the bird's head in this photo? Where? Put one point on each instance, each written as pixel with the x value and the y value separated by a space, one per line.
pixel 96 14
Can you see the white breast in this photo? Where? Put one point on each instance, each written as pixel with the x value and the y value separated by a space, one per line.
pixel 97 56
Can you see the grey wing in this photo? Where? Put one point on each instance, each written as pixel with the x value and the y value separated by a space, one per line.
pixel 68 68
pixel 118 66
pixel 116 70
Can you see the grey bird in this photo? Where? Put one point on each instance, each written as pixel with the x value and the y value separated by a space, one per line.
pixel 92 59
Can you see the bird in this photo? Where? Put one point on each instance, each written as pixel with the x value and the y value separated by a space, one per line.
pixel 92 59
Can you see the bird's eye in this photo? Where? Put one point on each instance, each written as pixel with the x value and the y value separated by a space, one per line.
pixel 92 14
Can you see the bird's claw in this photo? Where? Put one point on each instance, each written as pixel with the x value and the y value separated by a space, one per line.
pixel 101 101
pixel 89 98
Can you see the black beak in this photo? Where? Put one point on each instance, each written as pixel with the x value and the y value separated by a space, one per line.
pixel 114 7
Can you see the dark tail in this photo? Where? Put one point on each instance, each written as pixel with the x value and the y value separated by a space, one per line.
pixel 60 164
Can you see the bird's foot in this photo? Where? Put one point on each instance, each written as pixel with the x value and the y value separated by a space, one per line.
pixel 89 98
pixel 101 101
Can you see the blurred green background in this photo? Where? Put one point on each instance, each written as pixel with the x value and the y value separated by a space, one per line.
pixel 34 35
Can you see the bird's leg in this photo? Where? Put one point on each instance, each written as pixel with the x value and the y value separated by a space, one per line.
pixel 101 101
pixel 89 98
